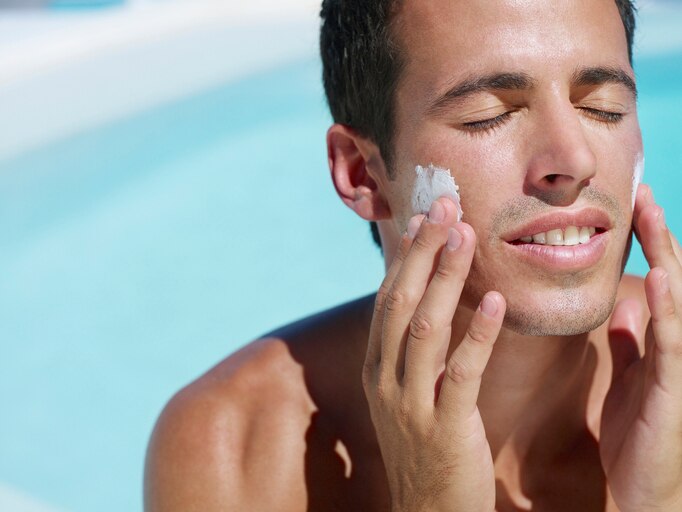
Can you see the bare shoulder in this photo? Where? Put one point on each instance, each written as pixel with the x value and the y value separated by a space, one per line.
pixel 235 438
pixel 246 412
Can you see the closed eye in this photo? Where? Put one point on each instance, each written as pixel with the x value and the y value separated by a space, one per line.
pixel 603 115
pixel 487 125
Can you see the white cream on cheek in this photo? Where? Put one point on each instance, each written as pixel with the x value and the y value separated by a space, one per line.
pixel 637 175
pixel 431 183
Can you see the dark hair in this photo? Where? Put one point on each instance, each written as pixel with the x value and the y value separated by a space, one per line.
pixel 361 65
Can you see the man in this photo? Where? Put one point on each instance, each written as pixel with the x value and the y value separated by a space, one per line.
pixel 491 371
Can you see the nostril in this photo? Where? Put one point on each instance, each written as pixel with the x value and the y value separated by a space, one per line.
pixel 552 177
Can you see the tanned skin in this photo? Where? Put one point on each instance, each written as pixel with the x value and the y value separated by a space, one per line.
pixel 478 378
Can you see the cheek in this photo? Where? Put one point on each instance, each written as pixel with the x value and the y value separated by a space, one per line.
pixel 485 170
pixel 620 168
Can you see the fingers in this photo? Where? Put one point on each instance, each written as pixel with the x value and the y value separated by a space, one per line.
pixel 655 237
pixel 464 369
pixel 676 246
pixel 667 328
pixel 414 310
pixel 624 329
pixel 374 343
pixel 409 286
pixel 431 325
pixel 659 245
pixel 643 198
pixel 663 286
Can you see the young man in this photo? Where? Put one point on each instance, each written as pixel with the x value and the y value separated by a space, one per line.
pixel 491 371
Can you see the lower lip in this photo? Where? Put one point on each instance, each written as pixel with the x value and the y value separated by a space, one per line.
pixel 561 257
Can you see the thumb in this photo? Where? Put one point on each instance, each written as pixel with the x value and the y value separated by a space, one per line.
pixel 625 324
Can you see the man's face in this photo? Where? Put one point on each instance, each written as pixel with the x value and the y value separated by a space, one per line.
pixel 540 132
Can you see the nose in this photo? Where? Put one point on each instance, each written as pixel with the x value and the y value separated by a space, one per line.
pixel 561 161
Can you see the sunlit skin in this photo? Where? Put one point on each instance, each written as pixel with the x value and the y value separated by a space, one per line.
pixel 554 128
pixel 483 375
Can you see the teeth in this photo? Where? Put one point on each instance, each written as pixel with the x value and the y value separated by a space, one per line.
pixel 555 237
pixel 571 235
pixel 540 238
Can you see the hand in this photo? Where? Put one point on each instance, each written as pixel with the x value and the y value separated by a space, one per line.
pixel 424 411
pixel 641 429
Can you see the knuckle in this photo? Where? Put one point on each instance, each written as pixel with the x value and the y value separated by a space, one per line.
pixel 477 333
pixel 403 250
pixel 396 300
pixel 665 312
pixel 420 326
pixel 381 387
pixel 422 242
pixel 403 410
pixel 460 372
pixel 668 311
pixel 444 272
pixel 380 395
pixel 381 296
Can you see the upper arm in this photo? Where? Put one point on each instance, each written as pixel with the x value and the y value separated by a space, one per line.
pixel 188 460
pixel 230 442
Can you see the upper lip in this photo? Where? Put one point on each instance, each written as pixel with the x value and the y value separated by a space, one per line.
pixel 588 217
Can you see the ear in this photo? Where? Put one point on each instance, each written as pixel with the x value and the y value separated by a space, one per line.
pixel 357 170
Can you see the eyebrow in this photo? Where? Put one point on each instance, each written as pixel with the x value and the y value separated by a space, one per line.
pixel 523 81
pixel 478 84
pixel 604 75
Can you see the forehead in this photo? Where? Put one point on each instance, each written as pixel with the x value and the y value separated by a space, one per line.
pixel 445 39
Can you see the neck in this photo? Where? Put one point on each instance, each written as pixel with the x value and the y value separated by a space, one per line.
pixel 534 391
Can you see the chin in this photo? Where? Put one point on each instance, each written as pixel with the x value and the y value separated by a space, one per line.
pixel 565 312
pixel 541 302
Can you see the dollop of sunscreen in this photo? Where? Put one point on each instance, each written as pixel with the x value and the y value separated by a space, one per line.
pixel 431 183
pixel 637 176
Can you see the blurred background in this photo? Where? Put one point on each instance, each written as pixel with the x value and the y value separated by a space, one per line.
pixel 164 199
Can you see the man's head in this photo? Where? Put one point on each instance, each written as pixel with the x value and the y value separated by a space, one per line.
pixel 362 63
pixel 532 106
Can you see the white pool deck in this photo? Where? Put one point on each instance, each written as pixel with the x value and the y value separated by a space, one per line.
pixel 63 72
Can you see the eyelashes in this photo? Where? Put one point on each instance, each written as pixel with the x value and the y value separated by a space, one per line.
pixel 486 126
pixel 604 115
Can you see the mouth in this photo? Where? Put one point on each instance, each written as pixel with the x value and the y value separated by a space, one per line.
pixel 567 237
pixel 567 241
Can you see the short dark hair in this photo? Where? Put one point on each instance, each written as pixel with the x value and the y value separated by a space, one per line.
pixel 362 62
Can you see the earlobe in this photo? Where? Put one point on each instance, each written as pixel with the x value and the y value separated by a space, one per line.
pixel 350 159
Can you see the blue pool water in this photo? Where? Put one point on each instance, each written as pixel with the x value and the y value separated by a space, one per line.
pixel 136 255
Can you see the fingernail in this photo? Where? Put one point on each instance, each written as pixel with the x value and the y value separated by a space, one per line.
pixel 663 282
pixel 437 213
pixel 649 194
pixel 413 226
pixel 489 306
pixel 454 239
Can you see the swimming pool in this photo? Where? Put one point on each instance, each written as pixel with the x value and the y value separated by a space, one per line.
pixel 137 254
